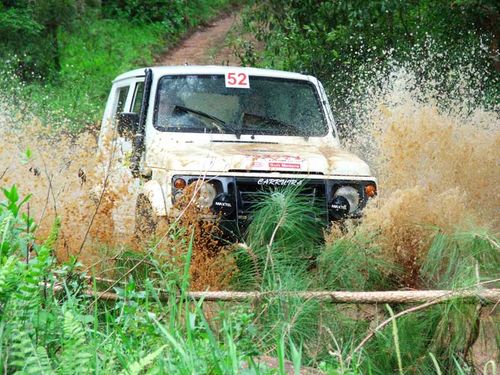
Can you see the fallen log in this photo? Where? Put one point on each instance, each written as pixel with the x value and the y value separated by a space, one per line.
pixel 474 293
pixel 414 296
pixel 486 296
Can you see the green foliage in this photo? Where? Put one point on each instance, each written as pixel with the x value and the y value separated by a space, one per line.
pixel 75 352
pixel 272 259
pixel 25 356
pixel 176 14
pixel 136 367
pixel 46 329
pixel 282 239
pixel 48 326
pixel 60 56
pixel 454 261
pixel 352 263
pixel 461 260
pixel 30 29
pixel 92 55
pixel 23 268
pixel 350 44
pixel 286 223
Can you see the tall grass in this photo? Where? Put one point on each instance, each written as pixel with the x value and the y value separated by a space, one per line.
pixel 286 253
pixel 49 325
pixel 63 331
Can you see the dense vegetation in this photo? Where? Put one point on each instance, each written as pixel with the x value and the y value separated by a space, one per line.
pixel 50 323
pixel 59 56
pixel 355 42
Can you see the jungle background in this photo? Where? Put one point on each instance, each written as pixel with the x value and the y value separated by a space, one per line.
pixel 414 86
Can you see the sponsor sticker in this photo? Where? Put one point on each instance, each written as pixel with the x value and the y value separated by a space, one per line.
pixel 286 165
pixel 224 204
pixel 279 182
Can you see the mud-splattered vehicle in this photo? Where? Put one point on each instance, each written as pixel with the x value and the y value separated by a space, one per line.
pixel 233 131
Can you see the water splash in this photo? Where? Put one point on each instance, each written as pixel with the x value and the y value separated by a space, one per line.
pixel 438 167
pixel 436 155
pixel 68 178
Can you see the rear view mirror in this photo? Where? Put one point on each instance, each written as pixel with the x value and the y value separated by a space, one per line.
pixel 127 123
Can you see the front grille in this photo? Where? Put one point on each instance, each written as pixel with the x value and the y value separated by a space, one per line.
pixel 245 191
pixel 249 192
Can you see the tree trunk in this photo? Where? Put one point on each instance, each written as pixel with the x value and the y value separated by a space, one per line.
pixel 56 58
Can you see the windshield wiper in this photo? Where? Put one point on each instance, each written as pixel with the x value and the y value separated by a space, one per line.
pixel 224 125
pixel 272 121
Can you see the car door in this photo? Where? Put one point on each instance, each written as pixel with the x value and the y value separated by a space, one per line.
pixel 125 97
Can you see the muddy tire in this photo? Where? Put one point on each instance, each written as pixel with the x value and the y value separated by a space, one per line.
pixel 146 220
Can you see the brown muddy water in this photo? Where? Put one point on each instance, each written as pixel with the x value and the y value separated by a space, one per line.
pixel 436 168
pixel 68 178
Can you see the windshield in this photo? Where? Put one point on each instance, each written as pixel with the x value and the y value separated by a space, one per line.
pixel 271 106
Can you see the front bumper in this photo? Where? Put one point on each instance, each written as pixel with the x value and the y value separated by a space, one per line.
pixel 237 195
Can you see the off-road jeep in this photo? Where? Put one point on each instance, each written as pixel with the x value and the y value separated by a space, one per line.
pixel 233 131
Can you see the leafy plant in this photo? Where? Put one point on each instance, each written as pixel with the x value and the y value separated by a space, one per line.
pixel 359 42
pixel 49 325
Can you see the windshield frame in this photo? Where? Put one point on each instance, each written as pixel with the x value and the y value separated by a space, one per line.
pixel 321 106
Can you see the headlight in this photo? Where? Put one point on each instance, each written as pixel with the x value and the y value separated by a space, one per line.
pixel 351 195
pixel 206 194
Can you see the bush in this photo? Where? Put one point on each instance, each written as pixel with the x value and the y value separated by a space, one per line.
pixel 50 324
pixel 349 44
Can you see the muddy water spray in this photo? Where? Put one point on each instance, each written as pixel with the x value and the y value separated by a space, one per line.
pixel 438 168
pixel 66 176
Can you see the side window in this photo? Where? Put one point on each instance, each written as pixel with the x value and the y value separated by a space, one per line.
pixel 122 98
pixel 137 100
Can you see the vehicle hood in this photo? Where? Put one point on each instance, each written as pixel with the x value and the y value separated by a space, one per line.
pixel 248 157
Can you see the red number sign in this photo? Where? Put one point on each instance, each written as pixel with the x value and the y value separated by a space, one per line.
pixel 237 79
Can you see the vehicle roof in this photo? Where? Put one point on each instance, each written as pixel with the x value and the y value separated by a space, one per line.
pixel 212 69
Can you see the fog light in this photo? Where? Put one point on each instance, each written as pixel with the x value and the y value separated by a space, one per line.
pixel 339 208
pixel 178 196
pixel 206 194
pixel 224 204
pixel 350 194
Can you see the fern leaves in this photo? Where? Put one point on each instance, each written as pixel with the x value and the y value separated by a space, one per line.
pixel 8 278
pixel 75 358
pixel 27 358
pixel 136 367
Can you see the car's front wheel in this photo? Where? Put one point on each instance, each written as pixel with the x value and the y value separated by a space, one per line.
pixel 146 220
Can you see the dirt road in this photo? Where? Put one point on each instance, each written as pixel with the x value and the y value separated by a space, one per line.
pixel 209 45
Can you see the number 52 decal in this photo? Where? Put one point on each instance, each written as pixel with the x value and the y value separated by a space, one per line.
pixel 237 79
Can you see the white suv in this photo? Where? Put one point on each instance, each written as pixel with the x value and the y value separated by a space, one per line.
pixel 235 131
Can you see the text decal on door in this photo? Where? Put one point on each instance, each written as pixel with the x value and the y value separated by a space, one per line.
pixel 237 79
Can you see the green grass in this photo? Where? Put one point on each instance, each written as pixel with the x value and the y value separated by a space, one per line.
pixel 66 331
pixel 92 57
pixel 92 53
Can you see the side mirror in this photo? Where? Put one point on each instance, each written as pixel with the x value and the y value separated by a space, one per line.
pixel 127 123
